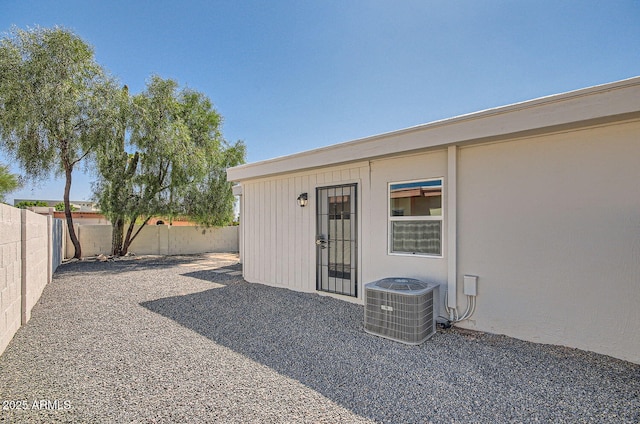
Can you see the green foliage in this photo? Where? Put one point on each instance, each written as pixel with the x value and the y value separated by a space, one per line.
pixel 210 200
pixel 31 203
pixel 172 164
pixel 51 99
pixel 55 103
pixel 8 182
pixel 60 207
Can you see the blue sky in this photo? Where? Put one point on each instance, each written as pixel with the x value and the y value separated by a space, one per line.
pixel 293 75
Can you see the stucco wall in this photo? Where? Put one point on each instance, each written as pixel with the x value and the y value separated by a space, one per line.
pixel 10 273
pixel 551 226
pixel 161 240
pixel 380 263
pixel 549 223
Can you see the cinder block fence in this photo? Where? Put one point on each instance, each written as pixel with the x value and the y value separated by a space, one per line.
pixel 30 251
pixel 159 240
pixel 32 246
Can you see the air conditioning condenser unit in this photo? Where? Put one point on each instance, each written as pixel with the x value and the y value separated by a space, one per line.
pixel 401 309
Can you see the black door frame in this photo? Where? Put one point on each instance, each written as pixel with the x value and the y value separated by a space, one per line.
pixel 337 255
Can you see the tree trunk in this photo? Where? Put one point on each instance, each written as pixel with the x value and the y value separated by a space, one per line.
pixel 67 213
pixel 127 239
pixel 117 227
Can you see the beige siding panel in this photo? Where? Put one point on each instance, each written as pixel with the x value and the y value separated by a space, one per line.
pixel 257 216
pixel 550 225
pixel 354 174
pixel 285 260
pixel 266 230
pixel 262 231
pixel 296 241
pixel 306 230
pixel 255 232
pixel 245 223
pixel 269 233
pixel 279 235
pixel 296 236
pixel 289 243
pixel 252 204
pixel 309 264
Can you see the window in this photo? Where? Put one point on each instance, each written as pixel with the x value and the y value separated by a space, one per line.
pixel 339 207
pixel 415 217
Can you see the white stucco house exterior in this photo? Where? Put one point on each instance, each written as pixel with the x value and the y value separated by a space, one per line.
pixel 540 200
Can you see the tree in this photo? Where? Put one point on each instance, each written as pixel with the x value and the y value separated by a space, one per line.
pixel 174 159
pixel 116 168
pixel 59 207
pixel 53 104
pixel 210 201
pixel 8 182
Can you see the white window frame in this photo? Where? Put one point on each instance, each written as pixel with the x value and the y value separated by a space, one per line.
pixel 391 219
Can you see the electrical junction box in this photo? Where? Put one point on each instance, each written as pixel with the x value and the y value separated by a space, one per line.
pixel 471 285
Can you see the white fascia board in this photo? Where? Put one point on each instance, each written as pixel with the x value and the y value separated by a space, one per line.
pixel 598 102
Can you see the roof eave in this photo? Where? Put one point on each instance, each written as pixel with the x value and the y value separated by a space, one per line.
pixel 601 103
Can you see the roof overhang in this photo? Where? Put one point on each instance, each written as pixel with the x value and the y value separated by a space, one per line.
pixel 589 106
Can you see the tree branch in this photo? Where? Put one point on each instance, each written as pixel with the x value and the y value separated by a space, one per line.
pixel 81 157
pixel 139 229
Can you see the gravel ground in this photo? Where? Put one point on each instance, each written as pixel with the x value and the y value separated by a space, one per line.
pixel 172 340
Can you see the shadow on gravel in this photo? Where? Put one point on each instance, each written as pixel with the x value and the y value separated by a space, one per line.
pixel 454 377
pixel 129 264
pixel 213 276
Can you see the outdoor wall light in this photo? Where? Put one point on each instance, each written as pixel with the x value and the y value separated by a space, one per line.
pixel 302 200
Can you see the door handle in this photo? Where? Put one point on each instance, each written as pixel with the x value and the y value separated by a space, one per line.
pixel 320 241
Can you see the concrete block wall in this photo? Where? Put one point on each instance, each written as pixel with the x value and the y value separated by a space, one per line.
pixel 10 273
pixel 190 240
pixel 36 262
pixel 25 267
pixel 94 239
pixel 152 240
pixel 160 240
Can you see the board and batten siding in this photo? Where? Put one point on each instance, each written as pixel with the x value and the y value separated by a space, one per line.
pixel 279 235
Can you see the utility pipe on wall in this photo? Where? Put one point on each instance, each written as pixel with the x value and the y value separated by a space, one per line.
pixel 470 288
pixel 452 230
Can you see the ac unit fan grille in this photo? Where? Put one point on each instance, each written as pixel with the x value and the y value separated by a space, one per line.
pixel 401 317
